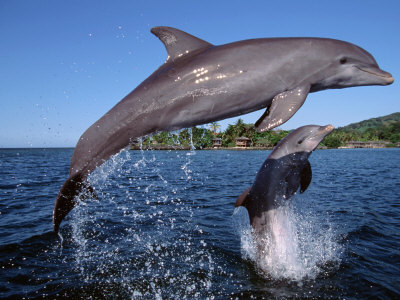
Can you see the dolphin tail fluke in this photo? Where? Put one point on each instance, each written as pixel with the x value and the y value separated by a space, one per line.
pixel 243 198
pixel 66 198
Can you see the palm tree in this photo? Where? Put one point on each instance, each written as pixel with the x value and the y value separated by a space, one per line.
pixel 240 128
pixel 215 127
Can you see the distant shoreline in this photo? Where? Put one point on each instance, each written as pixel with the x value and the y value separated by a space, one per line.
pixel 170 148
pixel 167 148
pixel 190 148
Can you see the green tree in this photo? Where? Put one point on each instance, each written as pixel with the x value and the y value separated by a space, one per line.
pixel 184 137
pixel 370 134
pixel 202 138
pixel 332 141
pixel 228 136
pixel 215 127
pixel 240 128
pixel 163 138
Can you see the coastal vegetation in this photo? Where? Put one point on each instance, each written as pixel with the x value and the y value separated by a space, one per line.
pixel 385 129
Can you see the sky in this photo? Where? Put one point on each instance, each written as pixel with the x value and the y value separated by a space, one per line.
pixel 64 64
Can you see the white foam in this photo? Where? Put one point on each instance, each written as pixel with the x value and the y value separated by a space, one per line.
pixel 295 246
pixel 153 255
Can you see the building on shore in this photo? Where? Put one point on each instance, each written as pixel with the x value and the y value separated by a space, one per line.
pixel 243 142
pixel 369 144
pixel 216 142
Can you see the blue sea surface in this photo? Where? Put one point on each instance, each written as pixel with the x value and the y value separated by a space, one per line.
pixel 165 226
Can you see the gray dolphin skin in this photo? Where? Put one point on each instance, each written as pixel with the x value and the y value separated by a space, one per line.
pixel 201 83
pixel 285 171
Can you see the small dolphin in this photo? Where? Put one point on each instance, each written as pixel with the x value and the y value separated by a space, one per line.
pixel 286 169
pixel 201 83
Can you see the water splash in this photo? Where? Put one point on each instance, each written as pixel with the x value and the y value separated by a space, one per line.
pixel 141 234
pixel 297 245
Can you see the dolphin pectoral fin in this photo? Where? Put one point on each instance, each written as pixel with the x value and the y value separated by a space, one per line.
pixel 177 42
pixel 305 177
pixel 282 108
pixel 66 199
pixel 243 198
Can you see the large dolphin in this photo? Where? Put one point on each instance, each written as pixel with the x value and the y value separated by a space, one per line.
pixel 285 171
pixel 201 83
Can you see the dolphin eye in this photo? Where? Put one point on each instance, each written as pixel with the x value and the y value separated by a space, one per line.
pixel 343 60
pixel 299 142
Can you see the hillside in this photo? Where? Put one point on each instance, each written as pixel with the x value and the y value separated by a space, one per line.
pixel 374 123
pixel 386 128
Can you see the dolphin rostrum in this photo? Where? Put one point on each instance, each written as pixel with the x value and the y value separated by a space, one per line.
pixel 285 171
pixel 201 83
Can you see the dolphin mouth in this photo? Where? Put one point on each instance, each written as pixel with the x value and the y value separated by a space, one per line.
pixel 329 128
pixel 326 130
pixel 323 132
pixel 378 72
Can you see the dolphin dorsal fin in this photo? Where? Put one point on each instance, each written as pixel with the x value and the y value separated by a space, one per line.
pixel 177 42
pixel 243 198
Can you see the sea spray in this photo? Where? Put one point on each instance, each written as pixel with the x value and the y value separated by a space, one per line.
pixel 241 223
pixel 140 236
pixel 278 251
pixel 297 244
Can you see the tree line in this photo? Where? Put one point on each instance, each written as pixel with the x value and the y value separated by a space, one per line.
pixel 388 133
pixel 202 137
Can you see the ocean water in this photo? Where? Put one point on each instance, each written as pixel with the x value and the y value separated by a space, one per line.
pixel 165 226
